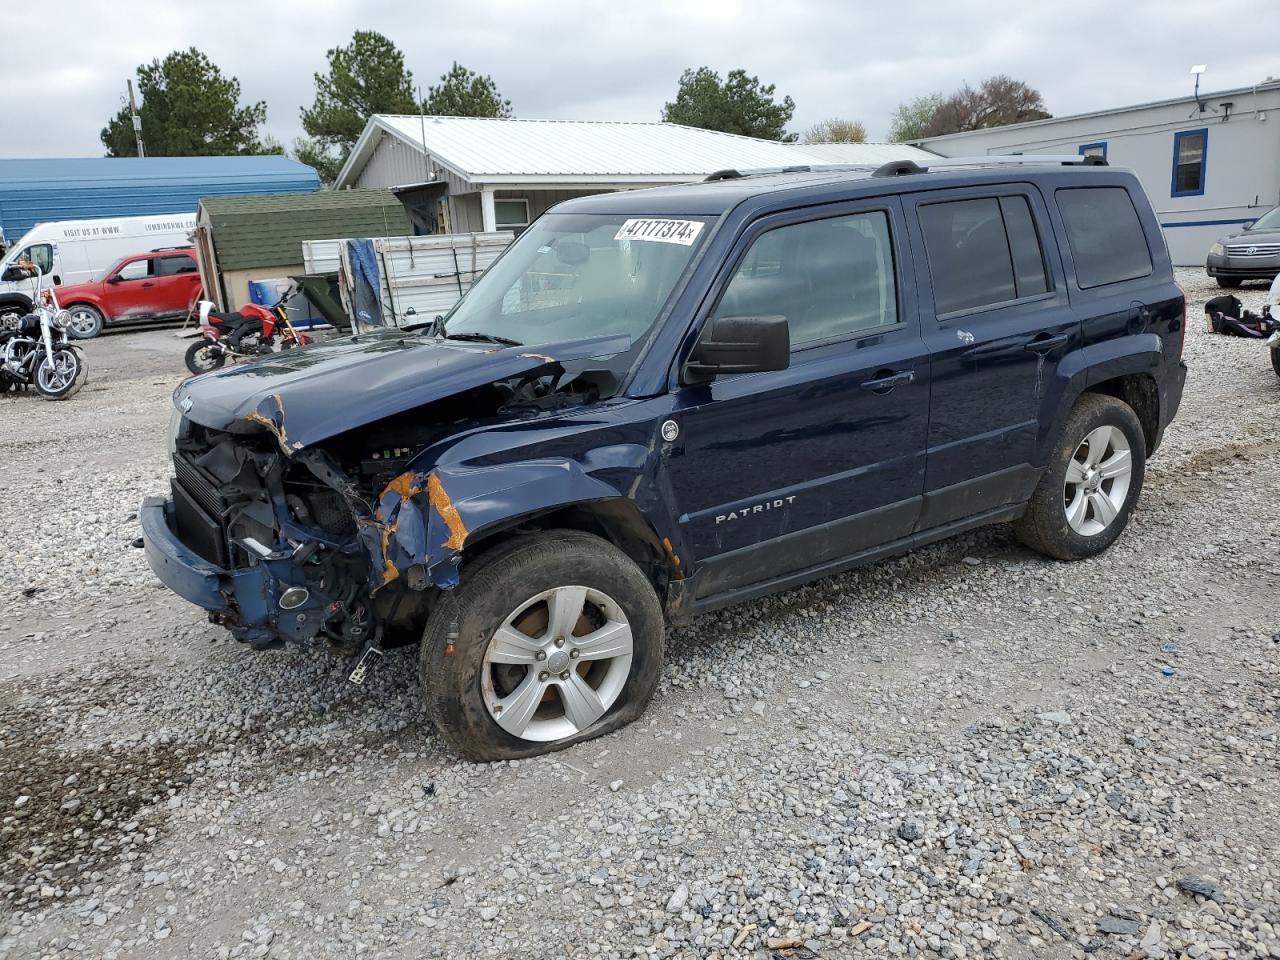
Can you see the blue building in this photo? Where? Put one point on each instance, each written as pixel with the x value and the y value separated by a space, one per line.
pixel 44 191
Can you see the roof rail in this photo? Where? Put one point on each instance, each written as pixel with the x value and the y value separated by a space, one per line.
pixel 731 174
pixel 898 168
pixel 181 246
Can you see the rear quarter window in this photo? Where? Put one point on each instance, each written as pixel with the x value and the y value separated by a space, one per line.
pixel 1108 244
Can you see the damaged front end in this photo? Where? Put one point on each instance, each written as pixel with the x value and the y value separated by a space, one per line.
pixel 286 530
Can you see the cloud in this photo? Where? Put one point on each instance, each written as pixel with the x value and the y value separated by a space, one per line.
pixel 590 60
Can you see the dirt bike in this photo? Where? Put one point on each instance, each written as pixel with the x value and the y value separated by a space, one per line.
pixel 34 347
pixel 252 332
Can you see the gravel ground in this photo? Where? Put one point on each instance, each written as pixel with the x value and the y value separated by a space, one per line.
pixel 968 752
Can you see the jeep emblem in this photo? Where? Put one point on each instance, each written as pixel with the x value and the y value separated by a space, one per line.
pixel 670 430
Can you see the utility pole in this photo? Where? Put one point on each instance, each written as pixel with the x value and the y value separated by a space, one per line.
pixel 137 120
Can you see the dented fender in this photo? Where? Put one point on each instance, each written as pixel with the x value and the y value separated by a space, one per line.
pixel 426 518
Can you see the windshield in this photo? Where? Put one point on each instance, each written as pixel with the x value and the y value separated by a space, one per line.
pixel 573 276
pixel 1268 221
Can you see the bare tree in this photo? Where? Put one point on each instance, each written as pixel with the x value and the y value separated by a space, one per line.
pixel 998 102
pixel 834 130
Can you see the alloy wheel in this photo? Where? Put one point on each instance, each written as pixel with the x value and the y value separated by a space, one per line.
pixel 557 663
pixel 84 323
pixel 1097 482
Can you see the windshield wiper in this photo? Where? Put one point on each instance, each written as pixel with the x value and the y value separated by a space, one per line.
pixel 484 338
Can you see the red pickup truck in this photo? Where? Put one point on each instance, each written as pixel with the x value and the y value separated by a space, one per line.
pixel 154 285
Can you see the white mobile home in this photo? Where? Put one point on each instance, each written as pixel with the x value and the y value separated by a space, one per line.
pixel 471 174
pixel 1209 165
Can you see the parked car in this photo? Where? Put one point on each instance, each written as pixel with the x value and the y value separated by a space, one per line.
pixel 662 402
pixel 77 251
pixel 159 284
pixel 1251 254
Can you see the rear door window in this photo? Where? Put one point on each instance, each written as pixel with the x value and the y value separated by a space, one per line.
pixel 982 252
pixel 171 266
pixel 1105 235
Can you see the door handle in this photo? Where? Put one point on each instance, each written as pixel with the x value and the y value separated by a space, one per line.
pixel 148 284
pixel 1043 344
pixel 886 380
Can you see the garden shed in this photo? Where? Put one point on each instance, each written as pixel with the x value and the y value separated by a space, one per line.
pixel 239 239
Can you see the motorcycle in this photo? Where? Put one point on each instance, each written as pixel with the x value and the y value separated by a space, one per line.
pixel 34 347
pixel 240 336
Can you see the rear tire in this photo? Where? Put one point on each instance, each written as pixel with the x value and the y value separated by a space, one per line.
pixel 474 678
pixel 203 356
pixel 62 380
pixel 1087 493
pixel 1229 283
pixel 86 321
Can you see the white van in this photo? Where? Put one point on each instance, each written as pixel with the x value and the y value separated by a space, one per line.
pixel 74 251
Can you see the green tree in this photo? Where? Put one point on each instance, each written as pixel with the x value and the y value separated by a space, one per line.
pixel 737 104
pixel 465 93
pixel 365 77
pixel 911 119
pixel 189 109
pixel 836 131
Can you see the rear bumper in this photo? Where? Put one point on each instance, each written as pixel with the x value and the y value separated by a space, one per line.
pixel 1171 399
pixel 238 596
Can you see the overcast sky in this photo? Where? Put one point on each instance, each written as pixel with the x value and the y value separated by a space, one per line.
pixel 64 66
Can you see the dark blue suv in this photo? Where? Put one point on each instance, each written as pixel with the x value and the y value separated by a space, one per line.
pixel 662 402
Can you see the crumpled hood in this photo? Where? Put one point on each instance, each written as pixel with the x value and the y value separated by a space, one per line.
pixel 310 394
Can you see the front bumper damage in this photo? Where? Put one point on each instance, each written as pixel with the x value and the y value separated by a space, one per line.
pixel 414 535
pixel 241 535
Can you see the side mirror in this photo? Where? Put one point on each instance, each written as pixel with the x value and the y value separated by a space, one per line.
pixel 114 278
pixel 1248 224
pixel 739 345
pixel 14 272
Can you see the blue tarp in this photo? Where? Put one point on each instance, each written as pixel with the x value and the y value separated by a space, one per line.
pixel 366 292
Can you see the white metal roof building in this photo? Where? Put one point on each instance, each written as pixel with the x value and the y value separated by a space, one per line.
pixel 1209 165
pixel 468 174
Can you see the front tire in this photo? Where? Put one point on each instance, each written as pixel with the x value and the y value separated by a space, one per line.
pixel 553 639
pixel 1087 493
pixel 1229 283
pixel 64 378
pixel 203 356
pixel 86 321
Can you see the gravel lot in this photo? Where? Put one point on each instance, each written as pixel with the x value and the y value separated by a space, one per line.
pixel 968 752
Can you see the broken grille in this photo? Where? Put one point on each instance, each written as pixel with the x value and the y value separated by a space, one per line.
pixel 199 487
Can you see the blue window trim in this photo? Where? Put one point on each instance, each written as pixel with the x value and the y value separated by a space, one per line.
pixel 1204 160
pixel 1091 146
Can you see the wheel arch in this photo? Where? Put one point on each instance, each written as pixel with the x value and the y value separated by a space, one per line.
pixel 1127 368
pixel 614 519
pixel 23 303
pixel 1142 395
pixel 85 301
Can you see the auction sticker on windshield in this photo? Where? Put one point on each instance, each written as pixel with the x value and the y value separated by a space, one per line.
pixel 683 232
